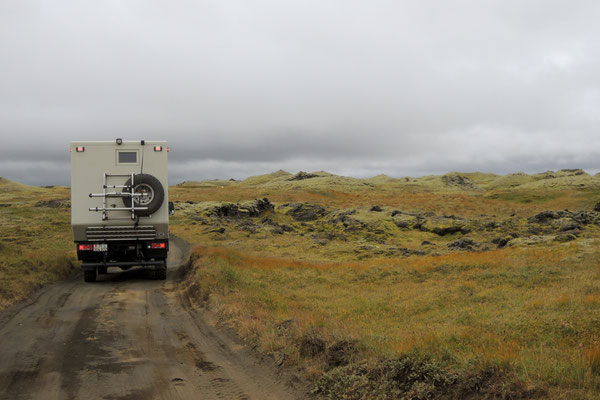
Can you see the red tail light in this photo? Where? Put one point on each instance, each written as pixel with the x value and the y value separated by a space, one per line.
pixel 86 247
pixel 157 148
pixel 80 149
pixel 158 245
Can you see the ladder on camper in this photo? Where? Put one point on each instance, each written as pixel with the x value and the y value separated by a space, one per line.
pixel 129 193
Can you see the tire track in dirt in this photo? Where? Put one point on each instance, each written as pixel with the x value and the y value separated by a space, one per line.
pixel 127 337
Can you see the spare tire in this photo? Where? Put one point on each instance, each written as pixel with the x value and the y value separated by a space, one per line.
pixel 155 194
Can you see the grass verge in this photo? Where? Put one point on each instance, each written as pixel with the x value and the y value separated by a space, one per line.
pixel 36 245
pixel 516 323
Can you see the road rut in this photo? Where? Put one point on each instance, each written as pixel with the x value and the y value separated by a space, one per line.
pixel 127 337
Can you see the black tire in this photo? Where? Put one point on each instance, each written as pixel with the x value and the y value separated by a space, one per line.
pixel 150 184
pixel 102 270
pixel 89 276
pixel 161 272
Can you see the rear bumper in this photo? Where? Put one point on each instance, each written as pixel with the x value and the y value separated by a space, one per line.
pixel 149 254
pixel 151 265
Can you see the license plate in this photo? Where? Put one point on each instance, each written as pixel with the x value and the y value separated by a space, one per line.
pixel 101 247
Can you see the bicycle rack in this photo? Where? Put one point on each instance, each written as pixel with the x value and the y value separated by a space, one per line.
pixel 114 194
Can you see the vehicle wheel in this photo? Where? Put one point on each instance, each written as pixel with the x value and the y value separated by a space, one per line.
pixel 102 270
pixel 89 276
pixel 155 194
pixel 161 272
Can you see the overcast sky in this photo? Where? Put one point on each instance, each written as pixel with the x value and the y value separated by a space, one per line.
pixel 356 88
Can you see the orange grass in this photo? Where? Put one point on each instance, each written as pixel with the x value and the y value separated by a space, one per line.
pixel 521 307
pixel 498 258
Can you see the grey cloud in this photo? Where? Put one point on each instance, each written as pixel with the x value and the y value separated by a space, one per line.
pixel 354 87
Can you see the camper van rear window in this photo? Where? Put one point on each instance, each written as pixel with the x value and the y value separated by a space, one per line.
pixel 127 157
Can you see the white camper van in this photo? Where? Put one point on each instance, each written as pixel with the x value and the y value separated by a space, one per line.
pixel 119 205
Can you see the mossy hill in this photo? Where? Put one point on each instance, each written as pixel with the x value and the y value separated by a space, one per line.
pixel 453 181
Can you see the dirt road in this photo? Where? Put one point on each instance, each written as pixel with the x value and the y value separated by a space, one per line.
pixel 126 337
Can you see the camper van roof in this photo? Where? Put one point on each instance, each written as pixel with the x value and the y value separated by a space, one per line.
pixel 128 142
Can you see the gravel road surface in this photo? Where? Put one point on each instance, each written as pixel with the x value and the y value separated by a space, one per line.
pixel 127 337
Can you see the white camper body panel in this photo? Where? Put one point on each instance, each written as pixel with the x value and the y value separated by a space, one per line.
pixel 87 176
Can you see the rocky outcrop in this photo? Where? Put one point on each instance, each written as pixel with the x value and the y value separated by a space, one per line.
pixel 459 181
pixel 464 244
pixel 254 208
pixel 300 176
pixel 564 221
pixel 276 227
pixel 446 226
pixel 303 212
pixel 545 216
pixel 406 252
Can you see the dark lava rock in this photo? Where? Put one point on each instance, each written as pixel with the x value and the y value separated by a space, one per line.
pixel 276 230
pixel 502 242
pixel 447 230
pixel 585 217
pixel 306 212
pixel 344 217
pixel 287 228
pixel 257 207
pixel 302 175
pixel 248 226
pixel 311 346
pixel 189 202
pixel 252 209
pixel 402 223
pixel 350 224
pixel 5 204
pixel 490 226
pixel 219 230
pixel 427 243
pixel 406 252
pixel 569 226
pixel 228 210
pixel 544 217
pixel 58 203
pixel 597 207
pixel 396 212
pixel 565 220
pixel 376 208
pixel 463 244
pixel 279 228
